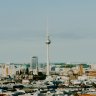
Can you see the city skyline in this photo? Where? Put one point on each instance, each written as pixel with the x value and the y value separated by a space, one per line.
pixel 71 26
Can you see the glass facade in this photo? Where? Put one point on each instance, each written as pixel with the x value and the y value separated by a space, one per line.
pixel 34 62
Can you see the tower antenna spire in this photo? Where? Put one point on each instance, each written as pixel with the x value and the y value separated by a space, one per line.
pixel 47 27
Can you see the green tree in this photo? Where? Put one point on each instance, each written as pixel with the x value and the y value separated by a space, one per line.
pixel 27 71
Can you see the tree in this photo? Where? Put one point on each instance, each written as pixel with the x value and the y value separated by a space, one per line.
pixel 27 71
pixel 20 72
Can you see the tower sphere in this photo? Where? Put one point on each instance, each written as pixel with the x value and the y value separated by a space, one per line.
pixel 48 41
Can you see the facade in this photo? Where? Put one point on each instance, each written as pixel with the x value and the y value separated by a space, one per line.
pixel 11 69
pixel 34 65
pixel 8 69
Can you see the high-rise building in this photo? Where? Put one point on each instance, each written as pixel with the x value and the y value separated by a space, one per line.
pixel 34 64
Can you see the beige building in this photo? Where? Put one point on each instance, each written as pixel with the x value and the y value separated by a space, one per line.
pixel 8 69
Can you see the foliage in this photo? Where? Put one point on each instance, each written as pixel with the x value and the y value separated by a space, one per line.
pixel 27 71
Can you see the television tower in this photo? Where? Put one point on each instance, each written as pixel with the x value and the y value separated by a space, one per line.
pixel 48 42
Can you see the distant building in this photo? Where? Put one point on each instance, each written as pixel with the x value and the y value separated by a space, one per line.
pixel 34 65
pixel 8 69
pixel 93 66
pixel 91 73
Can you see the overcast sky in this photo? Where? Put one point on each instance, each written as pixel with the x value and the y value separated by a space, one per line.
pixel 72 28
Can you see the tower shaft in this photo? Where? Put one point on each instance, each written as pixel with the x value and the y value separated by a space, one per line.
pixel 48 69
pixel 48 42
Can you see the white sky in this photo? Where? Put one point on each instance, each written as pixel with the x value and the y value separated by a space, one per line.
pixel 72 26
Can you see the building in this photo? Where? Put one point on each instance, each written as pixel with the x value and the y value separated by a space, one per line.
pixel 34 65
pixel 8 69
